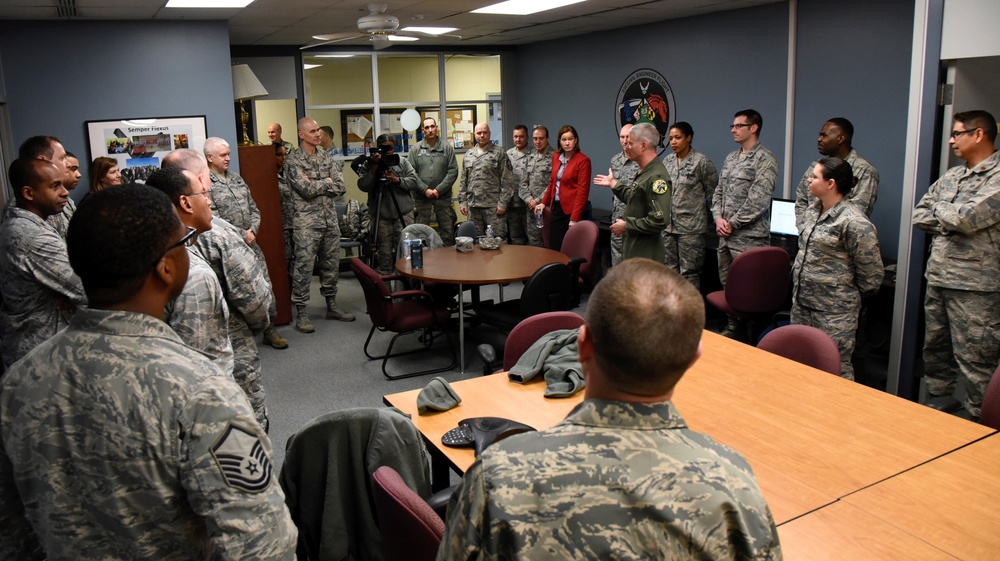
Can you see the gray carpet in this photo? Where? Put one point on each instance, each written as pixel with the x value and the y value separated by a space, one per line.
pixel 327 370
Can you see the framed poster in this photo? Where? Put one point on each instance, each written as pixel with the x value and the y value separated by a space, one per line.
pixel 458 124
pixel 140 144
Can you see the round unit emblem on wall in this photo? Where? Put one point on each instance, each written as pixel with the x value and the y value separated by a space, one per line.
pixel 645 96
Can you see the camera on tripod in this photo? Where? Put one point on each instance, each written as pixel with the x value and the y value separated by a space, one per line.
pixel 384 161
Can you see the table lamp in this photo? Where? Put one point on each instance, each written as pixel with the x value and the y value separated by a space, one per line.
pixel 245 86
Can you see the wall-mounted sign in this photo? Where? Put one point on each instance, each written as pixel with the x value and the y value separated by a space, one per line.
pixel 645 96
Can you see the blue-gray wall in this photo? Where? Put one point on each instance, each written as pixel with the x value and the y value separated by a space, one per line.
pixel 853 60
pixel 59 74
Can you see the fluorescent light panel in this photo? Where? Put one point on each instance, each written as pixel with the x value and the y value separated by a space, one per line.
pixel 402 38
pixel 524 7
pixel 208 3
pixel 308 66
pixel 431 30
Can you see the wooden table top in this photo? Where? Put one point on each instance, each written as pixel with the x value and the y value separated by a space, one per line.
pixel 811 437
pixel 841 531
pixel 951 502
pixel 481 266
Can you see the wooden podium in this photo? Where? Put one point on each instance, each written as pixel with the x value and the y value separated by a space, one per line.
pixel 259 168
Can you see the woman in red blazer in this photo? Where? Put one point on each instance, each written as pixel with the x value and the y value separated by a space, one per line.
pixel 569 186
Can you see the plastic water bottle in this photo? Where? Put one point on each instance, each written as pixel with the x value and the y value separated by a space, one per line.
pixel 489 230
pixel 407 244
pixel 417 253
pixel 539 222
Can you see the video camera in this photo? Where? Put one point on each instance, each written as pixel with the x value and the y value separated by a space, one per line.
pixel 364 162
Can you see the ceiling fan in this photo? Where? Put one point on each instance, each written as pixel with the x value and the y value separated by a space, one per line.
pixel 378 26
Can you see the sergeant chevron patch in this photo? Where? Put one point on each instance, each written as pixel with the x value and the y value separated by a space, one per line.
pixel 242 460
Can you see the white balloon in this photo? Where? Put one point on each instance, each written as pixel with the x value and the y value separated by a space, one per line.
pixel 410 119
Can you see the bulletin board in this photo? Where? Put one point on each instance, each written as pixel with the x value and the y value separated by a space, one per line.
pixel 358 127
pixel 457 126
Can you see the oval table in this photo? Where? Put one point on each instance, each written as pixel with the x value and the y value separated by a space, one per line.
pixel 479 266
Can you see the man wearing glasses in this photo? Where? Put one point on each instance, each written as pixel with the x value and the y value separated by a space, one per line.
pixel 437 169
pixel 961 213
pixel 741 202
pixel 199 315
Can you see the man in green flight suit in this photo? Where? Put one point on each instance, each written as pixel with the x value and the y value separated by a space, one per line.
pixel 646 198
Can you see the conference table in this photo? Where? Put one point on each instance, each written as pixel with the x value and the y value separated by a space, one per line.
pixel 812 438
pixel 479 266
pixel 942 509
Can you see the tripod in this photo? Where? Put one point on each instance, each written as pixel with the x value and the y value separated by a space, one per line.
pixel 382 186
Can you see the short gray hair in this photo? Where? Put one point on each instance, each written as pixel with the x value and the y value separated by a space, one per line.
pixel 213 144
pixel 646 132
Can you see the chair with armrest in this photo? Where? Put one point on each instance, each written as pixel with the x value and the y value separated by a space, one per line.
pixel 757 287
pixel 580 245
pixel 402 312
pixel 550 289
pixel 803 344
pixel 524 335
pixel 990 414
pixel 411 530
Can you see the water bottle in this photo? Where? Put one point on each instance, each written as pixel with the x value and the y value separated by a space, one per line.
pixel 417 254
pixel 489 230
pixel 539 222
pixel 407 244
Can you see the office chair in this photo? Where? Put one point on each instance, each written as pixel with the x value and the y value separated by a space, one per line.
pixel 402 312
pixel 523 336
pixel 410 529
pixel 550 289
pixel 467 229
pixel 580 245
pixel 805 345
pixel 757 287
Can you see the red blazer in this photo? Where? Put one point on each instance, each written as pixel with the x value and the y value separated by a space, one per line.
pixel 574 188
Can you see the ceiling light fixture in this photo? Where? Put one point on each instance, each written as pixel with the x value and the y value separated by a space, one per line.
pixel 524 7
pixel 430 30
pixel 208 3
pixel 402 38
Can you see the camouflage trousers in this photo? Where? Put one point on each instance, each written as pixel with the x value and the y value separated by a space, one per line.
pixel 532 229
pixel 272 310
pixel 685 253
pixel 517 224
pixel 427 210
pixel 389 233
pixel 310 244
pixel 962 338
pixel 617 213
pixel 840 325
pixel 488 216
pixel 730 248
pixel 289 250
pixel 246 369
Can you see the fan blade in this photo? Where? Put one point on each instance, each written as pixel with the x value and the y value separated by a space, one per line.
pixel 380 42
pixel 425 35
pixel 337 40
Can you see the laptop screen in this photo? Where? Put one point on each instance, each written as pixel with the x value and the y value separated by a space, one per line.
pixel 783 218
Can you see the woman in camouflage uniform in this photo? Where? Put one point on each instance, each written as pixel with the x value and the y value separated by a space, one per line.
pixel 838 260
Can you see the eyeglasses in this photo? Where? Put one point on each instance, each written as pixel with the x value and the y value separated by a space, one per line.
pixel 187 241
pixel 206 192
pixel 956 134
pixel 738 125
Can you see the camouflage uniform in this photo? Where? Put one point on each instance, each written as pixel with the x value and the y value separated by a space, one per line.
pixel 614 480
pixel 232 202
pixel 316 181
pixel 838 262
pixel 436 168
pixel 200 315
pixel 487 183
pixel 287 212
pixel 517 227
pixel 693 180
pixel 35 280
pixel 744 198
pixel 61 221
pixel 120 442
pixel 863 194
pixel 647 211
pixel 248 295
pixel 534 182
pixel 624 171
pixel 390 229
pixel 961 212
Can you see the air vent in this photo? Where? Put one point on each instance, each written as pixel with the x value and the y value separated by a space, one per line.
pixel 66 9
